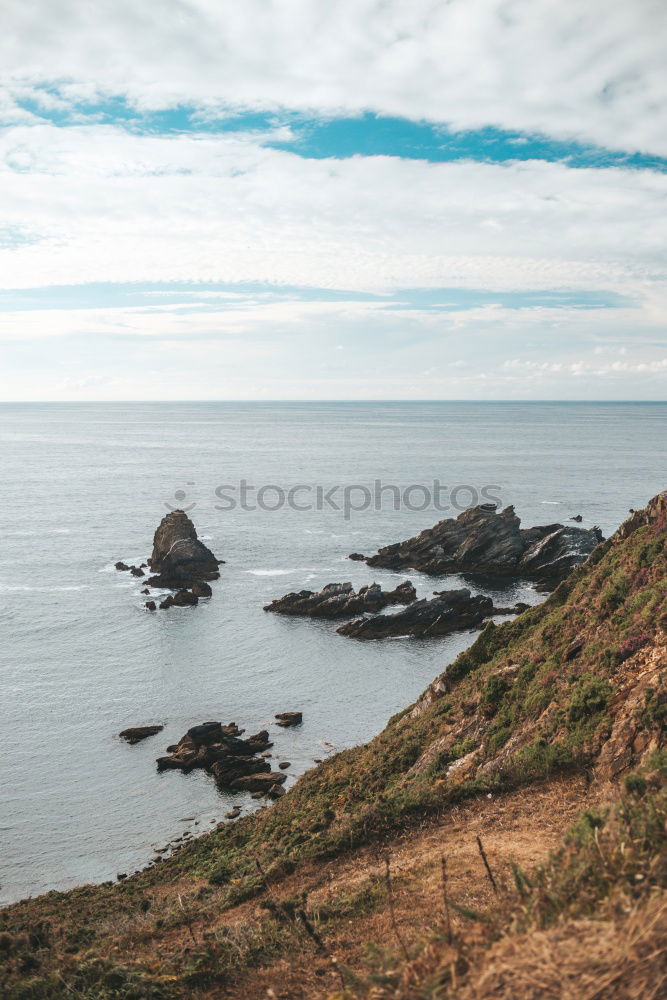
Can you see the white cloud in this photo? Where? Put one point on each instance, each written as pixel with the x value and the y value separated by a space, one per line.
pixel 589 368
pixel 104 205
pixel 591 71
pixel 95 202
pixel 180 320
pixel 264 347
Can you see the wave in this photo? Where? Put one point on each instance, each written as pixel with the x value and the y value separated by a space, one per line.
pixel 30 534
pixel 8 588
pixel 286 572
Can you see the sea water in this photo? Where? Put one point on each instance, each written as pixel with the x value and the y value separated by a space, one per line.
pixel 84 485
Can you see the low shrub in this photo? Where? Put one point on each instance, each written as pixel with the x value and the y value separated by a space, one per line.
pixel 590 697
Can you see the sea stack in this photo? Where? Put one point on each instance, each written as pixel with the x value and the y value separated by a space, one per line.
pixel 179 558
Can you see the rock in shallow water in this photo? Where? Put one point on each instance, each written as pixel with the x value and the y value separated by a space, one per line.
pixel 182 599
pixel 259 782
pixel 339 600
pixel 219 750
pixel 450 611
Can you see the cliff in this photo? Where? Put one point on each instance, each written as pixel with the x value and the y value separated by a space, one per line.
pixel 545 739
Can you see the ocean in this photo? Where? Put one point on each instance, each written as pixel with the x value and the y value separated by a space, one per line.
pixel 84 485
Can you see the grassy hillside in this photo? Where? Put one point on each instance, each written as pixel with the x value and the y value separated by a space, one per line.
pixel 574 690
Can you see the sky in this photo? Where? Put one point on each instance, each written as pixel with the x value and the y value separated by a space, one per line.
pixel 333 199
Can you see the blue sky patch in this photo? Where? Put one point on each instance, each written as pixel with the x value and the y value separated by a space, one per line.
pixel 340 138
pixel 212 297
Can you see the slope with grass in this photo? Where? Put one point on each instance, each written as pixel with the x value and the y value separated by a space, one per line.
pixel 560 710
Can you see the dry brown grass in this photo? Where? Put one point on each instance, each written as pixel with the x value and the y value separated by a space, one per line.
pixel 622 959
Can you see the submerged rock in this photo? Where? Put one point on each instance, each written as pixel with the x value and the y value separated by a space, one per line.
pixel 340 600
pixel 287 719
pixel 450 611
pixel 483 541
pixel 137 733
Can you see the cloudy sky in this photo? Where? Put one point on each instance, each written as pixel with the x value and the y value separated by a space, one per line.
pixel 333 199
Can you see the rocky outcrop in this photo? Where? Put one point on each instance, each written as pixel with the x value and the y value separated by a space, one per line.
pixel 483 541
pixel 179 558
pixel 221 751
pixel 340 600
pixel 449 611
pixel 137 733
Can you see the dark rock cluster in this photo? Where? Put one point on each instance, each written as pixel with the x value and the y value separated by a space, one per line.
pixel 483 541
pixel 235 763
pixel 339 600
pixel 133 570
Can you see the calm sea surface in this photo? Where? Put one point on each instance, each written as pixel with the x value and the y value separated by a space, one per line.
pixel 80 659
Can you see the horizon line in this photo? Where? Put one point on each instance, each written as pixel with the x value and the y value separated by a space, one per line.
pixel 147 402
